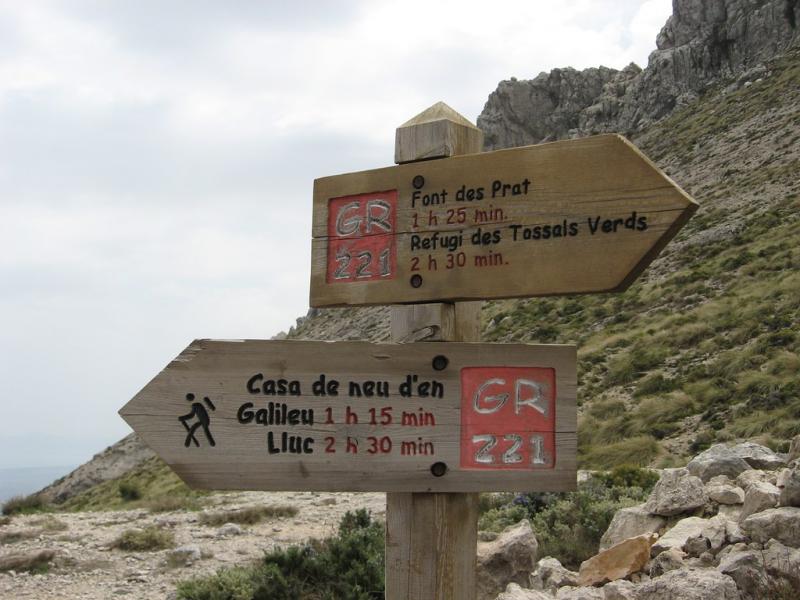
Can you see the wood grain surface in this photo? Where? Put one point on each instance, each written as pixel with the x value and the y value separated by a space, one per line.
pixel 576 216
pixel 420 430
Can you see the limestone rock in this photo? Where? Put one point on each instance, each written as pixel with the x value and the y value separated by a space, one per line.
pixel 783 563
pixel 669 560
pixel 782 524
pixel 734 533
pixel 717 460
pixel 630 522
pixel 759 496
pixel 229 529
pixel 580 593
pixel 617 562
pixel 790 494
pixel 747 570
pixel 515 592
pixel 508 559
pixel 701 42
pixel 186 555
pixel 794 449
pixel 731 512
pixel 550 575
pixel 689 584
pixel 758 456
pixel 723 493
pixel 747 478
pixel 676 492
pixel 771 572
pixel 26 561
pixel 619 590
pixel 679 534
pixel 738 547
pixel 716 532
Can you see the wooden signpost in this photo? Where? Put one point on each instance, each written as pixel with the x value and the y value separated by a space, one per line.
pixel 568 217
pixel 291 415
pixel 432 424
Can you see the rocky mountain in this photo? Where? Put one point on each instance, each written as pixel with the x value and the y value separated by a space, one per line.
pixel 703 348
pixel 111 463
pixel 703 42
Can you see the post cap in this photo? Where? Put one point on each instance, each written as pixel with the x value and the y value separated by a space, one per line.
pixel 436 132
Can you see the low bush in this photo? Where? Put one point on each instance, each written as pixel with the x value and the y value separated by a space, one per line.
pixel 12 537
pixel 569 526
pixel 348 566
pixel 50 524
pixel 172 503
pixel 149 539
pixel 129 491
pixel 640 450
pixel 248 516
pixel 25 505
pixel 628 476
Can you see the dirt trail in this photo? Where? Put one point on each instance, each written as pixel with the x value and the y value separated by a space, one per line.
pixel 86 568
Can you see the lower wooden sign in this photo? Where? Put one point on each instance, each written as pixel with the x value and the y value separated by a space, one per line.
pixel 356 416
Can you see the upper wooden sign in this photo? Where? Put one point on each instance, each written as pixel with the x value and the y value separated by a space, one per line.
pixel 566 217
pixel 442 417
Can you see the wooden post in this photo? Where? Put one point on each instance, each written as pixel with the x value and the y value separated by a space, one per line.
pixel 431 539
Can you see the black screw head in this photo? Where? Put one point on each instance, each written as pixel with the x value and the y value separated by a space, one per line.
pixel 416 281
pixel 418 182
pixel 438 469
pixel 440 362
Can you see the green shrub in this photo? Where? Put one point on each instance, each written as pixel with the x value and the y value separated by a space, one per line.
pixel 129 491
pixel 569 526
pixel 248 516
pixel 639 450
pixel 654 384
pixel 490 500
pixel 702 441
pixel 227 584
pixel 145 540
pixel 628 476
pixel 497 519
pixel 25 505
pixel 348 566
pixel 171 503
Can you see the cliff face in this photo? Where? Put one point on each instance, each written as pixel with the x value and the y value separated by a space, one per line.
pixel 703 41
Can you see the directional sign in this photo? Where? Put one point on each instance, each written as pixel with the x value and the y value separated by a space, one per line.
pixel 287 415
pixel 567 217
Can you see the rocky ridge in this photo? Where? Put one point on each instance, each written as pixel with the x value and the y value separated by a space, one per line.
pixel 703 42
pixel 114 461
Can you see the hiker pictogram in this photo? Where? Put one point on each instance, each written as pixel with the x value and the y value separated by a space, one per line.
pixel 200 413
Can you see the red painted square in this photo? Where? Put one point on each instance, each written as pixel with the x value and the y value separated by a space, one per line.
pixel 508 418
pixel 361 237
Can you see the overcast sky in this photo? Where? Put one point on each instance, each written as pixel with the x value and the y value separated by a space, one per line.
pixel 157 160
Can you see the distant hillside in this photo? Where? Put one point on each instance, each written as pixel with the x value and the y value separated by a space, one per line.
pixel 704 347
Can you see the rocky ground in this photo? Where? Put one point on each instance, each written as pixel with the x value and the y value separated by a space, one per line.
pixel 86 567
pixel 726 527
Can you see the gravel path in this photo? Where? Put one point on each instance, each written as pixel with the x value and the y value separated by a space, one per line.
pixel 86 568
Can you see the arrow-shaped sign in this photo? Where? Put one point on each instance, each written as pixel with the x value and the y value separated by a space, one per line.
pixel 287 415
pixel 567 217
